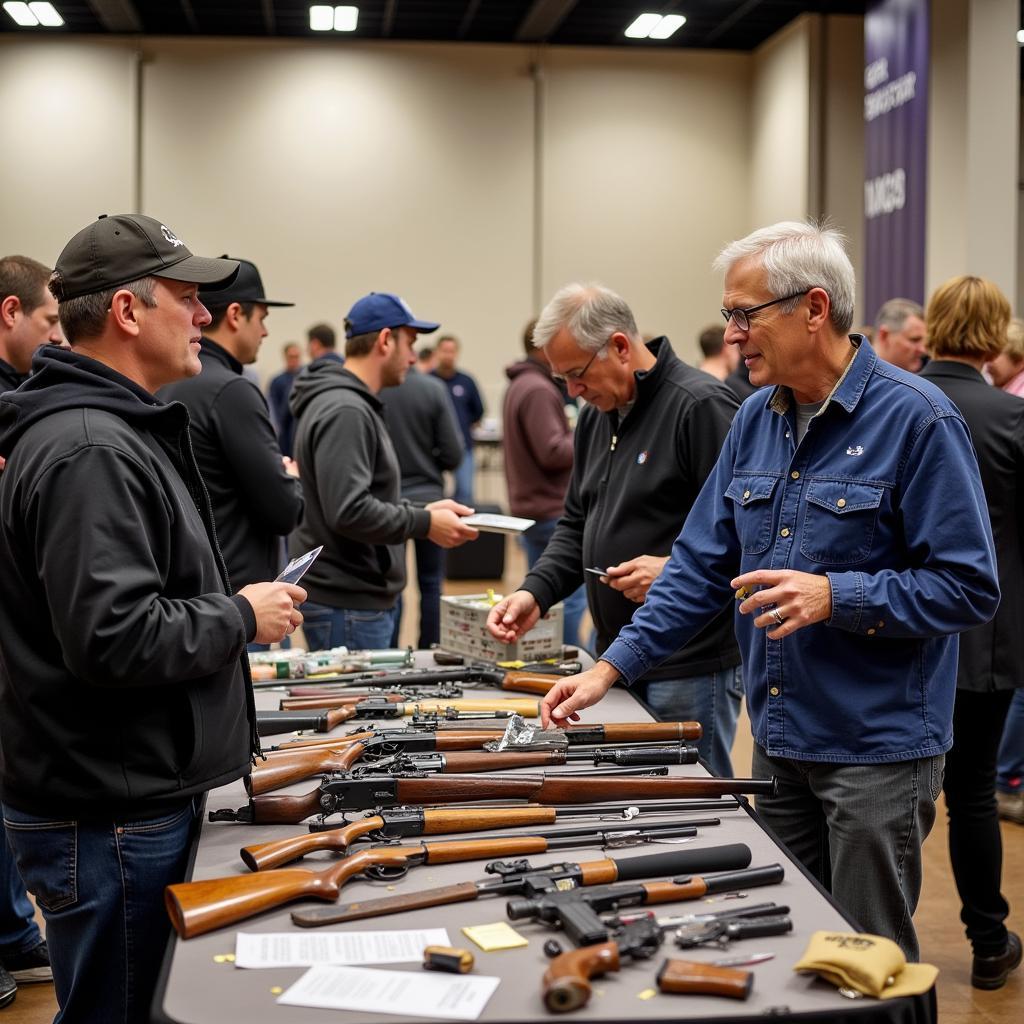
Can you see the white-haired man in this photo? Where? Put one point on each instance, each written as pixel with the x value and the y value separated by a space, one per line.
pixel 847 512
pixel 901 337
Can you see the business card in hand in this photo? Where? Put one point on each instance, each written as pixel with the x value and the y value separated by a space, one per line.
pixel 489 522
pixel 296 568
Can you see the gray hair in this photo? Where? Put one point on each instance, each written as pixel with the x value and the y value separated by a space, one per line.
pixel 894 313
pixel 797 257
pixel 86 315
pixel 592 314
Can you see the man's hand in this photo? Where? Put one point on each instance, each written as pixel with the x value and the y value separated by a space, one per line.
pixel 513 616
pixel 446 528
pixel 573 693
pixel 274 606
pixel 634 578
pixel 800 598
pixel 291 467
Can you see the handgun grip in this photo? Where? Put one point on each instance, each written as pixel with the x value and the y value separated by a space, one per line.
pixel 688 977
pixel 566 982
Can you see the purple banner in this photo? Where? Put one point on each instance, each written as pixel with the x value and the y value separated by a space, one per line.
pixel 895 151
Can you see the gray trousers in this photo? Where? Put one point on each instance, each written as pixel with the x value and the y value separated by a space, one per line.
pixel 858 829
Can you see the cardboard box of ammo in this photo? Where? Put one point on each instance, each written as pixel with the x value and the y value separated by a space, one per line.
pixel 464 631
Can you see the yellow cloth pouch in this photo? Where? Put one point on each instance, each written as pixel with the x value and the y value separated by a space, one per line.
pixel 867 964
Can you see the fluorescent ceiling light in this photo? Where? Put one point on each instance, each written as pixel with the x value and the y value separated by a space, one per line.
pixel 324 18
pixel 345 19
pixel 21 15
pixel 321 18
pixel 1020 35
pixel 667 26
pixel 47 14
pixel 641 28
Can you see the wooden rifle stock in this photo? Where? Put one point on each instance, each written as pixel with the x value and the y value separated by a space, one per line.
pixel 285 769
pixel 199 907
pixel 264 856
pixel 529 682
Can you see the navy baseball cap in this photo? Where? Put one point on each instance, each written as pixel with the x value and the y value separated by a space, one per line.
pixel 115 250
pixel 378 310
pixel 246 287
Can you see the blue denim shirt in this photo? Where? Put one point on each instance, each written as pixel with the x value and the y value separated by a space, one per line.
pixel 883 496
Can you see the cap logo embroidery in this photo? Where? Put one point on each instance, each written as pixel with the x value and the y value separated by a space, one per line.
pixel 857 449
pixel 170 236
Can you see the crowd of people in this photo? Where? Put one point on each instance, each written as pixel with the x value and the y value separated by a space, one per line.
pixel 826 525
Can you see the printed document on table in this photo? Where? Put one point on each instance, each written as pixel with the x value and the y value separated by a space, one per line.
pixel 411 993
pixel 288 949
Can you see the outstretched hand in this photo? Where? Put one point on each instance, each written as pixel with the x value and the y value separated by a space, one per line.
pixel 571 694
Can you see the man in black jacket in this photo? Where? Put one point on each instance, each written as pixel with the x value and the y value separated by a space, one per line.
pixel 124 687
pixel 352 482
pixel 649 436
pixel 254 490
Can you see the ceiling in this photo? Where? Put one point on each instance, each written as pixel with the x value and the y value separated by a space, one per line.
pixel 715 24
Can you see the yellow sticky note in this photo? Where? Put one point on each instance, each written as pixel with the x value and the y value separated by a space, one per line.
pixel 490 937
pixel 647 993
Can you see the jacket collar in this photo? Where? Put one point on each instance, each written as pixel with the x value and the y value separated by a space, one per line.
pixel 212 350
pixel 952 368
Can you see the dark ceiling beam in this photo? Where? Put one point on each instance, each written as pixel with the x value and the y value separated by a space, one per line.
pixel 542 19
pixel 388 22
pixel 269 21
pixel 727 23
pixel 467 19
pixel 117 15
pixel 190 15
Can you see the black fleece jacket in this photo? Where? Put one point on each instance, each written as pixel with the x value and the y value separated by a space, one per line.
pixel 255 502
pixel 632 486
pixel 351 482
pixel 124 687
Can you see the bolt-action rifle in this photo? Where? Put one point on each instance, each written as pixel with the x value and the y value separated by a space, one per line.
pixel 360 794
pixel 406 822
pixel 198 907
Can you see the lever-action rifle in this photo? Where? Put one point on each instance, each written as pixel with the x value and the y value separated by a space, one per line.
pixel 270 722
pixel 198 907
pixel 520 878
pixel 360 794
pixel 392 694
pixel 284 770
pixel 406 822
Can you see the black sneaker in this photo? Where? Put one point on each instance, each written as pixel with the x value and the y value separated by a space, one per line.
pixel 8 987
pixel 990 972
pixel 32 965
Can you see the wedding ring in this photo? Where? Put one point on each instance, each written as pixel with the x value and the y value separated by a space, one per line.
pixel 777 616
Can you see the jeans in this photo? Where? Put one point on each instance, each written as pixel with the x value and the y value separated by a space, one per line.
pixel 358 629
pixel 1010 769
pixel 975 842
pixel 100 886
pixel 18 929
pixel 429 574
pixel 858 829
pixel 463 475
pixel 534 541
pixel 713 700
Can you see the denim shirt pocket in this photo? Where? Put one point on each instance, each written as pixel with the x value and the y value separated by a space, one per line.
pixel 752 499
pixel 839 521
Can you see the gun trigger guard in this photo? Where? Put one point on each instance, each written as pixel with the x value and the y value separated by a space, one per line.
pixel 385 872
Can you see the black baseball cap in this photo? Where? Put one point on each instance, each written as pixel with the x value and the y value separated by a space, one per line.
pixel 246 287
pixel 115 250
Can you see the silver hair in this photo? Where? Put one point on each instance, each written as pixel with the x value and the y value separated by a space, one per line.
pixel 85 316
pixel 797 257
pixel 893 314
pixel 592 314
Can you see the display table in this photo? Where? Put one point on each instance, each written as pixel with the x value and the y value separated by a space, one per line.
pixel 199 987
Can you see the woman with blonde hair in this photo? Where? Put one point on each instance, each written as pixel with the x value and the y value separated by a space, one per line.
pixel 967 320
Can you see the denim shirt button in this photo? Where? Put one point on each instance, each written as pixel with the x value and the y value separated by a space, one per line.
pixel 795 475
pixel 841 503
pixel 871 632
pixel 784 532
pixel 774 691
pixel 746 494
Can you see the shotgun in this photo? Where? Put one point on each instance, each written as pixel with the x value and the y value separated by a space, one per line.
pixel 360 794
pixel 199 907
pixel 270 722
pixel 406 822
pixel 521 878
pixel 283 770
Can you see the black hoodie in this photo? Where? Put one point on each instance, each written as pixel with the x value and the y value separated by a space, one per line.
pixel 351 483
pixel 123 682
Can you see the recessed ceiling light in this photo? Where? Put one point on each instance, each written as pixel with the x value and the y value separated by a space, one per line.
pixel 21 15
pixel 345 19
pixel 1020 36
pixel 667 26
pixel 641 28
pixel 325 18
pixel 321 18
pixel 47 14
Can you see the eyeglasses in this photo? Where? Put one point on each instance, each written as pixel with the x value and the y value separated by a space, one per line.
pixel 575 376
pixel 741 317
